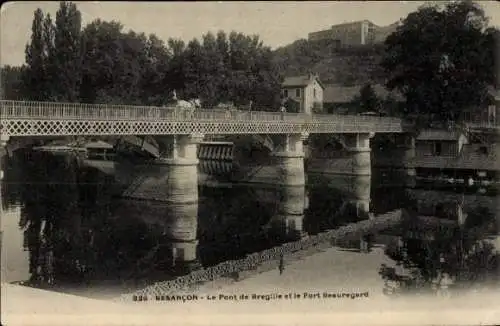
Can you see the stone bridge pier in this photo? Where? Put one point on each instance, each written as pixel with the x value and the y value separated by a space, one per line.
pixel 177 226
pixel 181 234
pixel 356 191
pixel 173 176
pixel 359 196
pixel 358 145
pixel 288 222
pixel 288 157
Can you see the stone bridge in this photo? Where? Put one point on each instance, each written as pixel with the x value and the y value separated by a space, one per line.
pixel 177 133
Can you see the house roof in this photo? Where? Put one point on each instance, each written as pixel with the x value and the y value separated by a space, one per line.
pixel 334 93
pixel 438 135
pixel 300 81
pixel 99 144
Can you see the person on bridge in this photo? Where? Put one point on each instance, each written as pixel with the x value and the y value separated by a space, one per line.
pixel 283 111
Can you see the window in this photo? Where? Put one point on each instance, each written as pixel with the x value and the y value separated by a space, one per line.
pixel 437 148
pixel 314 92
pixel 297 92
pixel 285 93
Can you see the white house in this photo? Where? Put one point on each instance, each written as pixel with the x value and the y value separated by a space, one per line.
pixel 306 90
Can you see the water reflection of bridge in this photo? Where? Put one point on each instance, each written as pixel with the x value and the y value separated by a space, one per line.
pixel 133 236
pixel 273 215
pixel 91 233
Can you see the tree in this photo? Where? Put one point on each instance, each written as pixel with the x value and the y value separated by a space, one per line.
pixel 131 65
pixel 50 56
pixel 103 64
pixel 253 75
pixel 213 73
pixel 175 75
pixel 155 90
pixel 368 99
pixel 238 69
pixel 11 81
pixel 193 70
pixel 100 52
pixel 441 59
pixel 66 61
pixel 34 77
pixel 224 66
pixel 267 84
pixel 119 68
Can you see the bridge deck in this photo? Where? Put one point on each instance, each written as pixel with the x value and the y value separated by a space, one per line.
pixel 51 119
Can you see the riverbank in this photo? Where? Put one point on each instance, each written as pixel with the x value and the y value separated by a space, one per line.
pixel 333 270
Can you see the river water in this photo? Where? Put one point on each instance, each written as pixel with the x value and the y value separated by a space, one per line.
pixel 64 228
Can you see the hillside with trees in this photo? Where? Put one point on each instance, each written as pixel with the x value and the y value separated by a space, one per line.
pixel 345 66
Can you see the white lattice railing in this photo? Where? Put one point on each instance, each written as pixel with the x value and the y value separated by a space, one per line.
pixel 45 118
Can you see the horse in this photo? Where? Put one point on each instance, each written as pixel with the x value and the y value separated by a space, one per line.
pixel 187 107
pixel 192 103
pixel 225 106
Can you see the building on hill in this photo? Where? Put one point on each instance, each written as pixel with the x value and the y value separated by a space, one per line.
pixel 354 33
pixel 306 90
pixel 382 32
pixel 339 99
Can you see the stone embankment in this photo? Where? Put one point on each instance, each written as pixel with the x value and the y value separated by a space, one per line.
pixel 268 259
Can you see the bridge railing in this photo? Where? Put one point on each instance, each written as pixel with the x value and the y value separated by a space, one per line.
pixel 99 112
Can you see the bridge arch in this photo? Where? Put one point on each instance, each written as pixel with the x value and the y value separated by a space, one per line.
pixel 264 141
pixel 322 145
pixel 252 146
pixel 16 143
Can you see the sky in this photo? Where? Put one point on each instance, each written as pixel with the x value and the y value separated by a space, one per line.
pixel 277 23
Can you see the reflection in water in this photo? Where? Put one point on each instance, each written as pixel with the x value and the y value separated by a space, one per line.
pixel 174 226
pixel 441 256
pixel 77 232
pixel 336 201
pixel 287 222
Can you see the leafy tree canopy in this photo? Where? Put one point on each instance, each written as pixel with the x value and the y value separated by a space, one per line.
pixel 441 58
pixel 368 99
pixel 102 63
